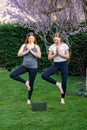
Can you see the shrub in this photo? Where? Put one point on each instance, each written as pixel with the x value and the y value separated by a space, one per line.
pixel 11 38
pixel 78 62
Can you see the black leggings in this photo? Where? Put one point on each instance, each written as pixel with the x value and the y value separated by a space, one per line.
pixel 32 74
pixel 63 68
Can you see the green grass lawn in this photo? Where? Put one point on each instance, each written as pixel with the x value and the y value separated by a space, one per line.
pixel 15 114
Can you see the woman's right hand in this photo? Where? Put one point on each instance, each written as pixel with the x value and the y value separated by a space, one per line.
pixel 57 50
pixel 21 51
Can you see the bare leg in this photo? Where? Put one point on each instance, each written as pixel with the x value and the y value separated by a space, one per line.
pixel 28 101
pixel 27 84
pixel 58 84
pixel 62 101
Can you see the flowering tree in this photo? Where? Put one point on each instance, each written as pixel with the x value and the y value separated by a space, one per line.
pixel 41 16
pixel 86 78
pixel 85 8
pixel 47 16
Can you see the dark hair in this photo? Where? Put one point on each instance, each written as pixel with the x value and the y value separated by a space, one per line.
pixel 28 35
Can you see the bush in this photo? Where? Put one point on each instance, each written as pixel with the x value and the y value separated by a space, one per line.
pixel 11 38
pixel 78 62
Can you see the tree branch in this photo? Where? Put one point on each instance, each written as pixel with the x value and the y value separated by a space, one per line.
pixel 56 9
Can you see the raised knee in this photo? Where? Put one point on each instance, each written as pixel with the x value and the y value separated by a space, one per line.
pixel 43 76
pixel 12 75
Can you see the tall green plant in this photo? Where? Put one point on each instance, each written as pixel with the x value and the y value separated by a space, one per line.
pixel 78 62
pixel 11 38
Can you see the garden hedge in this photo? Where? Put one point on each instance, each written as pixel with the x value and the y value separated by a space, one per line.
pixel 13 36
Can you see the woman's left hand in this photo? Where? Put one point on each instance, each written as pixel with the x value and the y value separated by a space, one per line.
pixel 57 50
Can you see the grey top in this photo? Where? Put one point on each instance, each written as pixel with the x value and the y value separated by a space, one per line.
pixel 30 61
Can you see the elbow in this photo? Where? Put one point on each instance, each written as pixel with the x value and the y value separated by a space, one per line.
pixel 18 55
pixel 49 58
pixel 39 56
pixel 68 57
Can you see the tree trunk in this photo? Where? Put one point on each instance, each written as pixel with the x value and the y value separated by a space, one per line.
pixel 86 78
pixel 85 8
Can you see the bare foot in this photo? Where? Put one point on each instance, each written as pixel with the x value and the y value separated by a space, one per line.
pixel 28 101
pixel 27 84
pixel 62 101
pixel 60 87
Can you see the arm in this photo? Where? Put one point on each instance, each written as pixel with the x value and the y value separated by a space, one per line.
pixel 51 55
pixel 21 52
pixel 66 55
pixel 38 53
